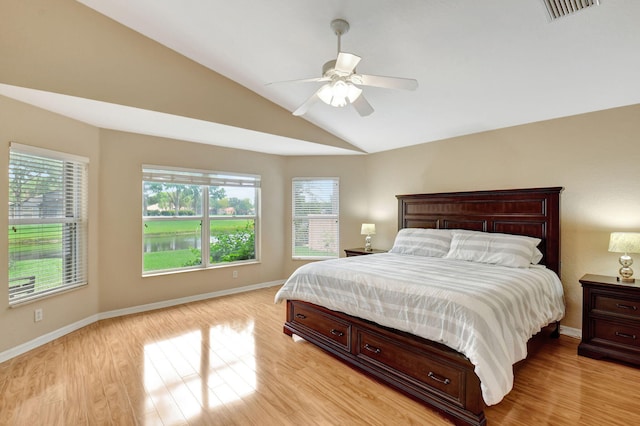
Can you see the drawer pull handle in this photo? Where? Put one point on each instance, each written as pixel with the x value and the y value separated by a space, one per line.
pixel 621 306
pixel 300 316
pixel 625 335
pixel 337 332
pixel 372 348
pixel 437 378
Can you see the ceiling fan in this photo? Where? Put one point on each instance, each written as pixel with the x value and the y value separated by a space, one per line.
pixel 342 80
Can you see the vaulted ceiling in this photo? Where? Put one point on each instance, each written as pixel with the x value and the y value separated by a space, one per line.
pixel 480 65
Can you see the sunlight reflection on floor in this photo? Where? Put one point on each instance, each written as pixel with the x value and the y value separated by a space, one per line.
pixel 199 370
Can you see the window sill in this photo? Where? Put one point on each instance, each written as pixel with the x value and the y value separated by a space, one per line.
pixel 209 268
pixel 45 295
pixel 314 257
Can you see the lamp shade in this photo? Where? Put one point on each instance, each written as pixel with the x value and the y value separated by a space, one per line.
pixel 624 242
pixel 368 229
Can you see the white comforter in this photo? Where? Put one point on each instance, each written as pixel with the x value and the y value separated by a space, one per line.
pixel 486 312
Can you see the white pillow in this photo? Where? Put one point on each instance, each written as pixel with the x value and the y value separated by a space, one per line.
pixel 422 242
pixel 516 251
pixel 537 256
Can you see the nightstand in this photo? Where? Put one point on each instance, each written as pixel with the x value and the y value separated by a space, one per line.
pixel 360 251
pixel 610 319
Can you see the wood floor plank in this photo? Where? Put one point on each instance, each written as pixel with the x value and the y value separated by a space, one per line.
pixel 226 361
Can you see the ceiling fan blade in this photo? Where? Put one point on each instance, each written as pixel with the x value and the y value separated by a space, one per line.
pixel 346 62
pixel 385 82
pixel 305 80
pixel 302 109
pixel 363 107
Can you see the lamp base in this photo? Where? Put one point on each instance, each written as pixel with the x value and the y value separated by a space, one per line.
pixel 367 243
pixel 625 271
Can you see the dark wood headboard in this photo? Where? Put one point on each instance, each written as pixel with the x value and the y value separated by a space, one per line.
pixel 533 212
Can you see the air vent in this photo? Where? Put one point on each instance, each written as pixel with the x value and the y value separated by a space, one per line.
pixel 559 8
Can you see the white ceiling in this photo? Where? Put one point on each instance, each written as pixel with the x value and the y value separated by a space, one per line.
pixel 480 65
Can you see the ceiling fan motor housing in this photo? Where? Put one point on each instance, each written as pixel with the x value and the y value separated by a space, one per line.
pixel 328 67
pixel 329 70
pixel 340 79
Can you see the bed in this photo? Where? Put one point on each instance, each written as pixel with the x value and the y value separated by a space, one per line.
pixel 336 304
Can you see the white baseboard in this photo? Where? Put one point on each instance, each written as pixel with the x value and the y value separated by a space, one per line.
pixel 183 300
pixel 571 332
pixel 46 338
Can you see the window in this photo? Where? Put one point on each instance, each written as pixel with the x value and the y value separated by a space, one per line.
pixel 315 218
pixel 196 219
pixel 47 222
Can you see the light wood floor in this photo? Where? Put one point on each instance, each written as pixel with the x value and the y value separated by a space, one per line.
pixel 226 362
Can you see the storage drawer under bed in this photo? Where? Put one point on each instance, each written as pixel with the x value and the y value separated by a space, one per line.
pixel 331 329
pixel 429 373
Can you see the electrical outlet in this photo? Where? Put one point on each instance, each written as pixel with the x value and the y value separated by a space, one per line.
pixel 235 274
pixel 37 315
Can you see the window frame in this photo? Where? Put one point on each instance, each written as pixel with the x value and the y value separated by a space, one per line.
pixel 205 179
pixel 71 212
pixel 297 217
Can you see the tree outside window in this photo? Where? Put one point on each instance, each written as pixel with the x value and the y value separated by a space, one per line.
pixel 47 222
pixel 194 219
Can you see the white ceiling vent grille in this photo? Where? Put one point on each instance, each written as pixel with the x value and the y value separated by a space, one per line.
pixel 559 8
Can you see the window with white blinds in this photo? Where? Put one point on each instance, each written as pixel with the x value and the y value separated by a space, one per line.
pixel 315 215
pixel 47 222
pixel 194 219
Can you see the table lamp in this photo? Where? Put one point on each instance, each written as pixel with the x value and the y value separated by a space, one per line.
pixel 625 242
pixel 368 229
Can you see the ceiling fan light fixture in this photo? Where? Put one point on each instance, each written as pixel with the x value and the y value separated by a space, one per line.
pixel 341 86
pixel 339 93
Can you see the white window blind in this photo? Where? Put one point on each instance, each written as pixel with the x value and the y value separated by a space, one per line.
pixel 195 219
pixel 315 228
pixel 162 174
pixel 47 222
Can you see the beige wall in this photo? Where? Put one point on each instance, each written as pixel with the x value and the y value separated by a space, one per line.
pixel 595 157
pixel 64 47
pixel 31 126
pixel 353 198
pixel 121 281
pixel 60 45
pixel 115 280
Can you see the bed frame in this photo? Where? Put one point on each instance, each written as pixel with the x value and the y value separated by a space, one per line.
pixel 428 371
